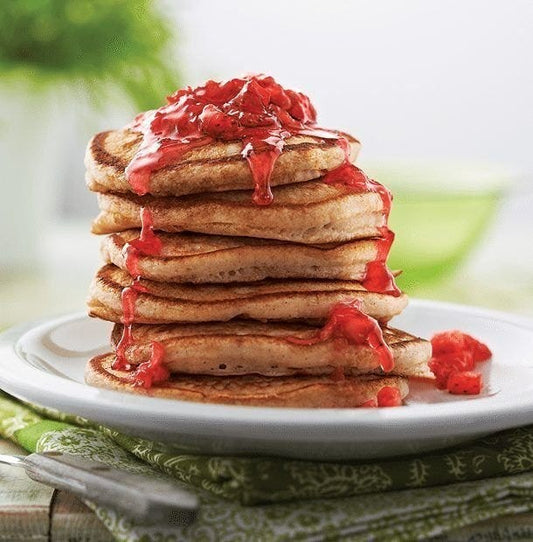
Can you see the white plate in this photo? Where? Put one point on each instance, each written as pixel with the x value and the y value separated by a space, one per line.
pixel 44 363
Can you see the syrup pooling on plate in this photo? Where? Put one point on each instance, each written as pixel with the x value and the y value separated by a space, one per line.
pixel 149 244
pixel 254 109
pixel 346 321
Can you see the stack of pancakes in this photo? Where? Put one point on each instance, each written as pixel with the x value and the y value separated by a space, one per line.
pixel 234 284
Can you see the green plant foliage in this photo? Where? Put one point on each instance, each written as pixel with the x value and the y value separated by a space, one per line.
pixel 99 43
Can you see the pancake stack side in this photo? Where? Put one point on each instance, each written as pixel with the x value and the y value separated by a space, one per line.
pixel 236 305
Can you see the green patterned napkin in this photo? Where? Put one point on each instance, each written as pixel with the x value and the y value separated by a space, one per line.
pixel 401 499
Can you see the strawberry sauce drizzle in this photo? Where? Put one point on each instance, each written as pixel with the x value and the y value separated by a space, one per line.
pixel 378 278
pixel 128 299
pixel 347 321
pixel 254 110
pixel 152 371
pixel 387 396
pixel 351 176
pixel 149 244
pixel 262 115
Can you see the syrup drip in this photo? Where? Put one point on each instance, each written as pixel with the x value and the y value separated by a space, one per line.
pixel 155 155
pixel 349 175
pixel 262 164
pixel 128 298
pixel 378 278
pixel 254 110
pixel 387 396
pixel 149 244
pixel 263 115
pixel 348 322
pixel 146 244
pixel 153 371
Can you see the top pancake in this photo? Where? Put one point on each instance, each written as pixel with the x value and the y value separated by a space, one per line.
pixel 217 167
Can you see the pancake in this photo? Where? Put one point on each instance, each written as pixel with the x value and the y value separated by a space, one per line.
pixel 165 303
pixel 247 347
pixel 299 391
pixel 311 212
pixel 217 167
pixel 200 258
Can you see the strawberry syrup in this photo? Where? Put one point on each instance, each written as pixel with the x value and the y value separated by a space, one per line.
pixel 153 370
pixel 378 278
pixel 254 109
pixel 347 321
pixel 261 114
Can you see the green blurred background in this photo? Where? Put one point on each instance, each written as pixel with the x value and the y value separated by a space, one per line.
pixel 439 94
pixel 97 45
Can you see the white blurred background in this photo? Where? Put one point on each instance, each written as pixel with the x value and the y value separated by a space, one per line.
pixel 417 81
pixel 414 78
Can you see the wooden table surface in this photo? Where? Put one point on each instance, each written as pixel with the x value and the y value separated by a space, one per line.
pixel 30 511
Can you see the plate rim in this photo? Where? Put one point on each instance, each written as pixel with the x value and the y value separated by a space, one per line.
pixel 190 414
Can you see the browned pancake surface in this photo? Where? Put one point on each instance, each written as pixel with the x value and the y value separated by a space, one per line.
pixel 217 167
pixel 299 391
pixel 311 212
pixel 247 347
pixel 264 300
pixel 200 258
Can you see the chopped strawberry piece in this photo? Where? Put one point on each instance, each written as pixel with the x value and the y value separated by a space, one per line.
pixel 464 383
pixel 445 364
pixel 479 350
pixel 389 396
pixel 216 123
pixel 454 357
pixel 449 342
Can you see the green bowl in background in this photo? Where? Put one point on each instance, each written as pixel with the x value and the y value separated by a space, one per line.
pixel 439 213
